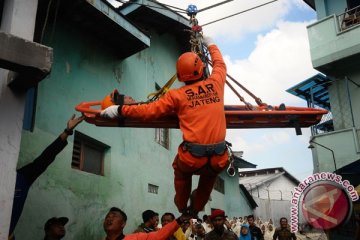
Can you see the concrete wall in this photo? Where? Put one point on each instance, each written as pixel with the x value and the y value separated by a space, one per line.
pixel 345 115
pixel 233 202
pixel 336 54
pixel 344 141
pixel 18 19
pixel 86 70
pixel 273 199
pixel 272 209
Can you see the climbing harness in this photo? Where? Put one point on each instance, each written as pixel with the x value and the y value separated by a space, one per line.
pixel 204 150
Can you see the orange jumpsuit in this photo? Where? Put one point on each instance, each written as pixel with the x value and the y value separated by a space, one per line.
pixel 200 109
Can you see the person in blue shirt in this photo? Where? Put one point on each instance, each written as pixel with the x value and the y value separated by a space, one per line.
pixel 245 232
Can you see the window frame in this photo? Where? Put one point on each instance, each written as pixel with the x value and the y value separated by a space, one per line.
pixel 153 187
pixel 160 139
pixel 81 142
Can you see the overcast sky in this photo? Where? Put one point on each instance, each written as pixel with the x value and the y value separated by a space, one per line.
pixel 267 51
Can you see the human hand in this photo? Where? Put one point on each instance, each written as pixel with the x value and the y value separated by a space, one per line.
pixel 110 112
pixel 185 217
pixel 227 224
pixel 74 121
pixel 208 41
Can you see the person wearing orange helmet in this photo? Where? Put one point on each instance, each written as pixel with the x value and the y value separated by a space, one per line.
pixel 199 106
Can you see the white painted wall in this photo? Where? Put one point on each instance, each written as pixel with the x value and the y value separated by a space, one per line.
pixel 18 19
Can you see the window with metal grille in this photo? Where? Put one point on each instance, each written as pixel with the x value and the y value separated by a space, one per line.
pixel 88 154
pixel 219 185
pixel 153 188
pixel 162 137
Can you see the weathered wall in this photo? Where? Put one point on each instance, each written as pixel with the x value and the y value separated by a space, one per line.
pixel 340 99
pixel 18 18
pixel 233 202
pixel 272 209
pixel 86 70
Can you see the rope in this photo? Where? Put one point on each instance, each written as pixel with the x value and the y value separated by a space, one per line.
pixel 198 48
pixel 248 105
pixel 156 95
pixel 257 99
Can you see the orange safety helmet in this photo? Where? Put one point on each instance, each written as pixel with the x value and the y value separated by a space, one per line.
pixel 109 100
pixel 189 67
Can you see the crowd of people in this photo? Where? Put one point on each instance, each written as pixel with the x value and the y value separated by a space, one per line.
pixel 213 227
pixel 216 226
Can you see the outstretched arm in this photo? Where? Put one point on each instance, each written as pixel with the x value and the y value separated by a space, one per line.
pixel 165 105
pixel 30 172
pixel 34 169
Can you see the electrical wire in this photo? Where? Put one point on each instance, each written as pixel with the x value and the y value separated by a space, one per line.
pixel 238 13
pixel 215 5
pixel 45 21
pixel 140 4
pixel 55 18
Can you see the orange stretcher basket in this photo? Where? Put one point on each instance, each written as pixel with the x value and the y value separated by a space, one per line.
pixel 237 117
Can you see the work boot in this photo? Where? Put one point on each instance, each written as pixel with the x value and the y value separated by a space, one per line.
pixel 185 211
pixel 282 107
pixel 191 207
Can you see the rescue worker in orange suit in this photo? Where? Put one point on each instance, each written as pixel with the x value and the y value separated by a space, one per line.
pixel 199 106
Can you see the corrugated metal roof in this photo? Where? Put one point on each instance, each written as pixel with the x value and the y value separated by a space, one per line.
pixel 313 90
pixel 251 179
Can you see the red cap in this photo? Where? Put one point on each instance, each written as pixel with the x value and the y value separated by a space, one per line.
pixel 217 213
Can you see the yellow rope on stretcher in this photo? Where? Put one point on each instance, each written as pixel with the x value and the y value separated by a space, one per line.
pixel 155 95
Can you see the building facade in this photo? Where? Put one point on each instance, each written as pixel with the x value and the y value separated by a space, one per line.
pixel 97 49
pixel 335 53
pixel 272 190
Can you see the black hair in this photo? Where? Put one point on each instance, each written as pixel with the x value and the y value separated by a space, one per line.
pixel 123 214
pixel 148 214
pixel 283 218
pixel 250 216
pixel 168 214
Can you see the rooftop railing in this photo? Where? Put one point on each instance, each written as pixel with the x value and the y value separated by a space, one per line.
pixel 349 18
